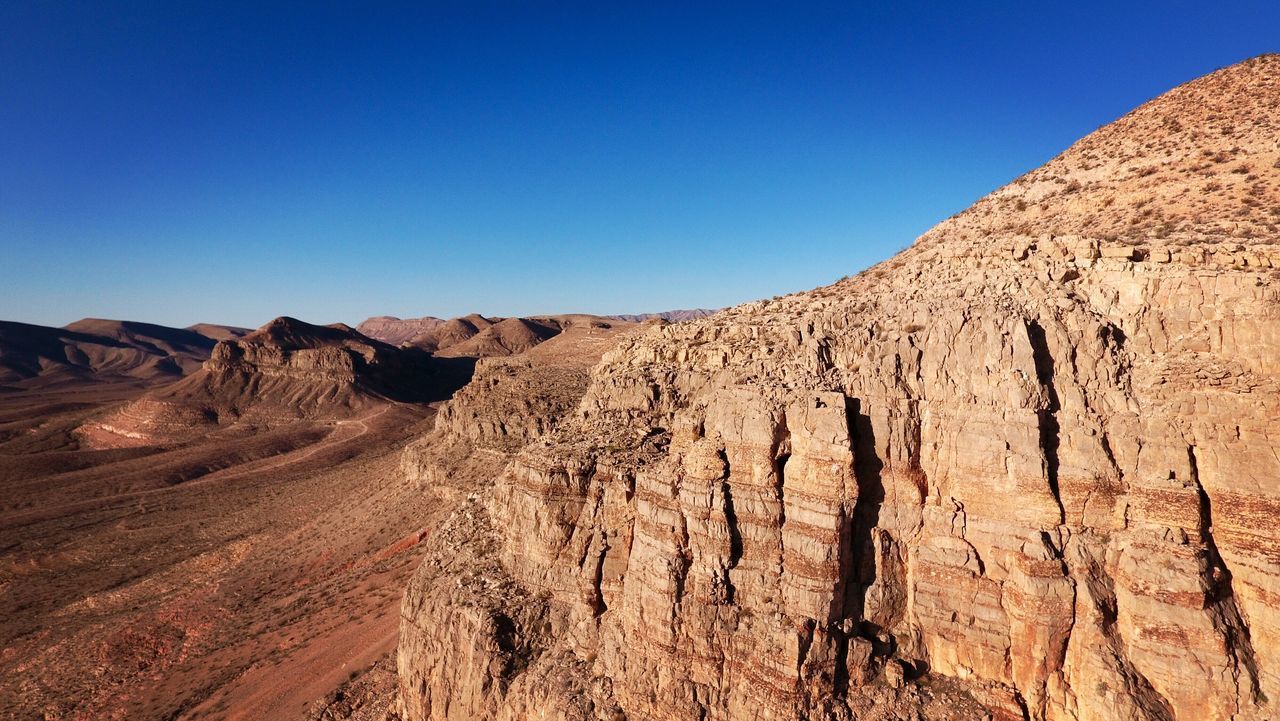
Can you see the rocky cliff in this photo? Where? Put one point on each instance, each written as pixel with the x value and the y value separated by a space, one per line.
pixel 1028 468
pixel 510 402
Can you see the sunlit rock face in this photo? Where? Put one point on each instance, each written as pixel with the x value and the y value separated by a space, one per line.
pixel 1030 468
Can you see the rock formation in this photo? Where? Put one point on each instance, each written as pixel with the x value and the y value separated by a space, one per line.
pixel 510 402
pixel 285 371
pixel 1028 468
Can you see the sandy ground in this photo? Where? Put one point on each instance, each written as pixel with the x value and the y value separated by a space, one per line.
pixel 242 575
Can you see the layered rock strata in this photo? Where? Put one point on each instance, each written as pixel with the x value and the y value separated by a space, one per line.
pixel 510 402
pixel 1026 466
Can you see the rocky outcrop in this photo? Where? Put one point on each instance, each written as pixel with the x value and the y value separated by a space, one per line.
pixel 510 402
pixel 285 371
pixel 1025 468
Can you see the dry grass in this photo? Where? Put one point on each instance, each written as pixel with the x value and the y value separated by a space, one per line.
pixel 1195 164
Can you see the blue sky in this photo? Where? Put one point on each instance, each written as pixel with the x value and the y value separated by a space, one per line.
pixel 231 162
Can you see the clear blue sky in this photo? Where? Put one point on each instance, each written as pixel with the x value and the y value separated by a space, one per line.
pixel 238 161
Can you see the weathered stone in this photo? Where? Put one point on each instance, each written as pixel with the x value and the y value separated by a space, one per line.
pixel 1053 493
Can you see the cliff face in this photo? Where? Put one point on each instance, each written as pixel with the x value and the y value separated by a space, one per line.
pixel 509 403
pixel 1027 468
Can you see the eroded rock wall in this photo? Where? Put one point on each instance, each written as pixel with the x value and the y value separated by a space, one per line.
pixel 1066 499
pixel 1008 474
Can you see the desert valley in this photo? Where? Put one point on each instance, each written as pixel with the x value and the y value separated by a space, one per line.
pixel 1026 469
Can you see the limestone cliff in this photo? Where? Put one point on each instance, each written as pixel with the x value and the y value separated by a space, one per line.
pixel 1028 468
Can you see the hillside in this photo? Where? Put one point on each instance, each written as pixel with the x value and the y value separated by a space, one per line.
pixel 475 336
pixel 671 316
pixel 1027 468
pixel 1195 165
pixel 219 332
pixel 394 331
pixel 450 333
pixel 95 349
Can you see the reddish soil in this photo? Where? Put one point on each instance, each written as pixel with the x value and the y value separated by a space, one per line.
pixel 240 575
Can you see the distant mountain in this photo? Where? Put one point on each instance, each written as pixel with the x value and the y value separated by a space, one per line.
pixel 436 334
pixel 506 337
pixel 219 332
pixel 292 368
pixel 97 349
pixel 450 333
pixel 282 372
pixel 393 330
pixel 671 316
pixel 475 336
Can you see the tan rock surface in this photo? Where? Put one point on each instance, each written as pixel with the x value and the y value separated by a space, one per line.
pixel 1030 465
